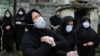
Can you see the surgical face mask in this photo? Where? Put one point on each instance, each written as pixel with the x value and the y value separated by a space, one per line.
pixel 69 28
pixel 20 12
pixel 86 24
pixel 40 23
pixel 7 15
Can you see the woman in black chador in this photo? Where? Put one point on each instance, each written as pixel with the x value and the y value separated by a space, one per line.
pixel 87 38
pixel 40 41
pixel 19 27
pixel 55 21
pixel 67 31
pixel 0 33
pixel 7 25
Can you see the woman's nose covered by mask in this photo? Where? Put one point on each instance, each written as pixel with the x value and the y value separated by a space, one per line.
pixel 86 24
pixel 40 23
pixel 20 12
pixel 7 15
pixel 69 28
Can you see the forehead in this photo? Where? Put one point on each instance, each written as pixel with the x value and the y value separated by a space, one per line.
pixel 35 14
pixel 7 12
pixel 71 22
pixel 87 20
pixel 21 10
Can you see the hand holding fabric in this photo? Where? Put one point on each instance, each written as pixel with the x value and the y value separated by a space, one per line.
pixel 49 40
pixel 18 22
pixel 7 27
pixel 72 53
pixel 90 43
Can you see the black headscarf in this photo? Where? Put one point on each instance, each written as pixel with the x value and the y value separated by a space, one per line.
pixel 24 13
pixel 65 21
pixel 7 20
pixel 9 13
pixel 69 36
pixel 87 34
pixel 28 19
pixel 84 19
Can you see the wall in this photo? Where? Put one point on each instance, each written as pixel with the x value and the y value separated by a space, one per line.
pixel 94 19
pixel 93 16
pixel 67 12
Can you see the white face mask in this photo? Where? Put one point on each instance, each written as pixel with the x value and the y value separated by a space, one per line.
pixel 7 15
pixel 69 28
pixel 86 24
pixel 40 23
pixel 20 12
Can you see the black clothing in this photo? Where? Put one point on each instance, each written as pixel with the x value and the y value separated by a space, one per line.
pixel 55 20
pixel 32 45
pixel 19 28
pixel 71 36
pixel 85 35
pixel 0 33
pixel 8 34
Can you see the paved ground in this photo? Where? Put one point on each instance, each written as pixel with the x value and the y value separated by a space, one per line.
pixel 15 53
pixel 3 53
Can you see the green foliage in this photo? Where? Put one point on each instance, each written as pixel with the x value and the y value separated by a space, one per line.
pixel 98 49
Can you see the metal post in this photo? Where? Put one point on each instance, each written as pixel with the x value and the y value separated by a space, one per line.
pixel 14 9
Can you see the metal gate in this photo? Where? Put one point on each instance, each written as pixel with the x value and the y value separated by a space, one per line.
pixel 4 5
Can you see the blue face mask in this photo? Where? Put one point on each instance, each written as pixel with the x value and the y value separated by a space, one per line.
pixel 40 23
pixel 86 24
pixel 69 28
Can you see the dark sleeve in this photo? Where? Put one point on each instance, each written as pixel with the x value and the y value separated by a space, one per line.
pixel 3 23
pixel 96 42
pixel 60 41
pixel 0 22
pixel 74 36
pixel 78 33
pixel 73 47
pixel 30 49
pixel 51 20
pixel 22 21
pixel 61 44
pixel 13 22
pixel 61 53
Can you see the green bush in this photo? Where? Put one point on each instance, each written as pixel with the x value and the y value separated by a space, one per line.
pixel 98 49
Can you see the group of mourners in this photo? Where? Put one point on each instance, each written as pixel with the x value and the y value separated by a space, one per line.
pixel 12 30
pixel 63 39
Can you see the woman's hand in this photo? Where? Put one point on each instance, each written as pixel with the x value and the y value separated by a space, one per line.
pixel 85 44
pixel 90 43
pixel 7 27
pixel 49 40
pixel 72 53
pixel 18 22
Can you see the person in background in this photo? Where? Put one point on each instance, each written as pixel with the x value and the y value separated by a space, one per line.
pixel 87 38
pixel 40 41
pixel 67 31
pixel 19 27
pixel 8 29
pixel 55 20
pixel 0 33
